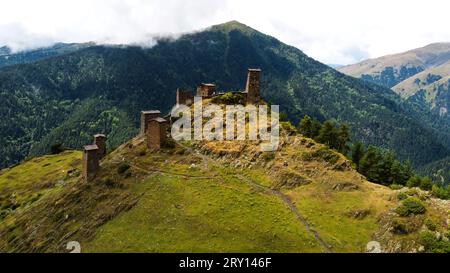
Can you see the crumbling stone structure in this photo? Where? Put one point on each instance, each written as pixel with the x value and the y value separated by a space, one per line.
pixel 91 162
pixel 146 116
pixel 100 141
pixel 184 97
pixel 156 133
pixel 253 87
pixel 206 90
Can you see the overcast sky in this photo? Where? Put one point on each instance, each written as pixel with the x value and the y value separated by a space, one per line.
pixel 331 31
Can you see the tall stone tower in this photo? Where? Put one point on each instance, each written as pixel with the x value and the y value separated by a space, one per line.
pixel 146 116
pixel 100 141
pixel 156 133
pixel 252 88
pixel 90 162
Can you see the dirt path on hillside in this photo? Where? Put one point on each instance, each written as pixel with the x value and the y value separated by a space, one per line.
pixel 291 206
pixel 270 191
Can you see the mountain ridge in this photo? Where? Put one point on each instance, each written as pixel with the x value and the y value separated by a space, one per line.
pixel 8 58
pixel 420 76
pixel 424 57
pixel 129 78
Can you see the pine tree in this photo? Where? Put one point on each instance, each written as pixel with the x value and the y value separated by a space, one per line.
pixel 328 135
pixel 402 172
pixel 425 184
pixel 316 125
pixel 357 153
pixel 368 165
pixel 309 127
pixel 343 139
pixel 385 169
pixel 413 182
pixel 306 126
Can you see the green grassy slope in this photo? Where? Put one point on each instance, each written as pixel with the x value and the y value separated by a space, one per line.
pixel 27 183
pixel 206 197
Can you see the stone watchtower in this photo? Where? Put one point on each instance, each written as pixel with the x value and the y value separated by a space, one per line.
pixel 184 97
pixel 156 133
pixel 100 141
pixel 146 116
pixel 253 87
pixel 90 162
pixel 206 90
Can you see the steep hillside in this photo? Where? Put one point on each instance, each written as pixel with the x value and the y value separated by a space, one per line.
pixel 438 170
pixel 42 100
pixel 421 75
pixel 210 197
pixel 431 87
pixel 390 70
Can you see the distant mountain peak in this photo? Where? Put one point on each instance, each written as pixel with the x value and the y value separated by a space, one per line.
pixel 233 25
pixel 5 50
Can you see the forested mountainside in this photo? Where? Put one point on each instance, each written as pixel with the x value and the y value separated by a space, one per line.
pixel 7 57
pixel 421 75
pixel 422 78
pixel 55 100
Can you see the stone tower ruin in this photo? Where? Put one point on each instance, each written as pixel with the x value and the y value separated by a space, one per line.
pixel 206 90
pixel 100 141
pixel 253 87
pixel 90 162
pixel 146 116
pixel 156 133
pixel 184 97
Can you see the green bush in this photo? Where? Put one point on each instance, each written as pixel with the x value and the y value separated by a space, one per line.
pixel 425 184
pixel 289 128
pixel 399 227
pixel 268 156
pixel 413 192
pixel 56 148
pixel 431 225
pixel 411 206
pixel 432 244
pixel 413 182
pixel 440 192
pixel 396 187
pixel 169 144
pixel 123 168
pixel 229 98
pixel 323 153
pixel 402 196
pixel 142 152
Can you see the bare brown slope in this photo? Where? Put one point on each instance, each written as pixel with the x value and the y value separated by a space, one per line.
pixel 426 57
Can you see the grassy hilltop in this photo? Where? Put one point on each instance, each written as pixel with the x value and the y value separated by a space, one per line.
pixel 211 197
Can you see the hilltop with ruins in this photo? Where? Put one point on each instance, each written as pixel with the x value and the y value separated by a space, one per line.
pixel 154 128
pixel 205 196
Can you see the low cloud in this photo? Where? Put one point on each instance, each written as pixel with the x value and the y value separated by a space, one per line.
pixel 338 32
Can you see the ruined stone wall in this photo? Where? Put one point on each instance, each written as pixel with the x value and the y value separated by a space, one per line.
pixel 100 141
pixel 91 162
pixel 253 86
pixel 206 90
pixel 184 97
